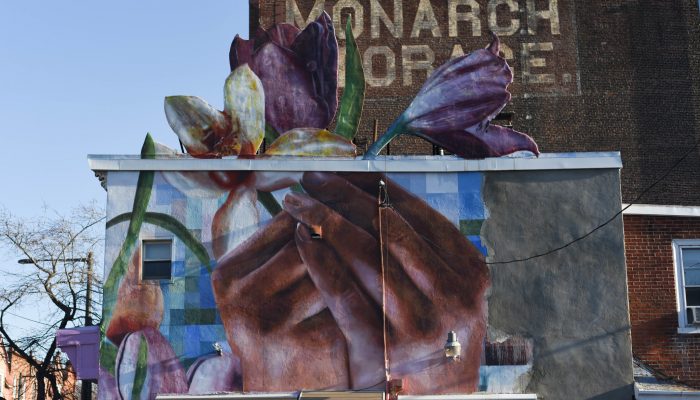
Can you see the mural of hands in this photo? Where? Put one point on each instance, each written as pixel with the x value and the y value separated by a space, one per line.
pixel 307 313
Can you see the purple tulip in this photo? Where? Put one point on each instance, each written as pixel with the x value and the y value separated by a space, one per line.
pixel 299 72
pixel 146 365
pixel 454 108
pixel 108 386
pixel 215 373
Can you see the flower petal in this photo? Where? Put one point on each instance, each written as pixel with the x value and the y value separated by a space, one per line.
pixel 215 373
pixel 475 142
pixel 309 142
pixel 108 386
pixel 244 101
pixel 202 129
pixel 241 52
pixel 317 47
pixel 163 372
pixel 283 34
pixel 139 304
pixel 291 100
pixel 269 181
pixel 461 93
pixel 234 221
pixel 205 184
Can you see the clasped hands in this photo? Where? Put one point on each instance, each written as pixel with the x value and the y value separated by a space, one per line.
pixel 305 313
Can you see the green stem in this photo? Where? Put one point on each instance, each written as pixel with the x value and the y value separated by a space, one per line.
pixel 268 201
pixel 169 223
pixel 141 199
pixel 397 128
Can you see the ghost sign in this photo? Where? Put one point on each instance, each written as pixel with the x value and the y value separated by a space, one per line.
pixel 403 41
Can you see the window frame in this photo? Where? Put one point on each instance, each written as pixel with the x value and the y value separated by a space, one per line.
pixel 678 245
pixel 146 241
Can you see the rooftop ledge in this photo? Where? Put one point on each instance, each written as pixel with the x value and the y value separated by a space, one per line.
pixel 546 161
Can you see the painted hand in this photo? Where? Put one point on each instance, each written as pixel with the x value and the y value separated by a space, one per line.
pixel 274 316
pixel 434 279
pixel 307 313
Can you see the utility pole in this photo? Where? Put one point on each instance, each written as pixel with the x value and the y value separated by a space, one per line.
pixel 88 295
pixel 86 387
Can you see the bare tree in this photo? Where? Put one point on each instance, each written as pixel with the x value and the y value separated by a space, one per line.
pixel 52 275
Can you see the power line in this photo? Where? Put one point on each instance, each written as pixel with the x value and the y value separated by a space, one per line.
pixel 636 199
pixel 28 319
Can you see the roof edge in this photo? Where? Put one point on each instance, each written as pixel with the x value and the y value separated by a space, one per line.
pixel 546 161
pixel 662 210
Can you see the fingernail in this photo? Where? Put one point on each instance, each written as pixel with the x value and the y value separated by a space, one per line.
pixel 292 200
pixel 302 233
pixel 316 179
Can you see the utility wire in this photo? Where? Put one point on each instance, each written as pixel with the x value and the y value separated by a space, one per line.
pixel 636 199
pixel 28 319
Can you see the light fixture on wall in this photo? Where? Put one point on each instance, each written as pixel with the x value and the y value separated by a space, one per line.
pixel 452 346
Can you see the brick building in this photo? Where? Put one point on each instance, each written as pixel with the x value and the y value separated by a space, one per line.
pixel 18 380
pixel 589 76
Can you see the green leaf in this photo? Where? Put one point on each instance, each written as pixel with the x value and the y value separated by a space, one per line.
pixel 141 369
pixel 169 223
pixel 270 133
pixel 268 201
pixel 108 356
pixel 354 92
pixel 144 186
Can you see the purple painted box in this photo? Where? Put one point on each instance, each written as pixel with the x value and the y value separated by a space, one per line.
pixel 83 348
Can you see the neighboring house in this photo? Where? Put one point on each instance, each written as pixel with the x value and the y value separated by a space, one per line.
pixel 663 264
pixel 18 381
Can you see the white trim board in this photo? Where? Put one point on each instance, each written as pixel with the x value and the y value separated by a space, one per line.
pixel 645 394
pixel 477 396
pixel 546 161
pixel 662 210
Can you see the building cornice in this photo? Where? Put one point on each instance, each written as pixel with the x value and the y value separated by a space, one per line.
pixel 547 161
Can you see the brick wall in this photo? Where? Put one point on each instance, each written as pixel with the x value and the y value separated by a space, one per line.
pixel 652 296
pixel 638 68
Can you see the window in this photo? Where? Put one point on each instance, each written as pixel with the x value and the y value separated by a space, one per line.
pixel 687 260
pixel 156 262
pixel 21 392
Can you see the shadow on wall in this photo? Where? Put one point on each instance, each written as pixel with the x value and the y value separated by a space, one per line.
pixel 621 393
pixel 662 96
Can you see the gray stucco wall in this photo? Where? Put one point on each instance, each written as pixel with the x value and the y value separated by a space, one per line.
pixel 573 303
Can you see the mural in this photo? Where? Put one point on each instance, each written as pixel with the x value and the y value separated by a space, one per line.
pixel 291 311
pixel 314 280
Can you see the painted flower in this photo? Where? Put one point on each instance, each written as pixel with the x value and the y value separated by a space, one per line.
pixel 139 304
pixel 298 69
pixel 214 373
pixel 208 132
pixel 146 365
pixel 454 108
pixel 238 130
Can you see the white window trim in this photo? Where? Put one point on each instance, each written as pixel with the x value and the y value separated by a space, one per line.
pixel 683 327
pixel 143 256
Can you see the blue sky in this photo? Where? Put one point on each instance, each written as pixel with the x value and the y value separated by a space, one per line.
pixel 82 77
pixel 85 77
